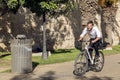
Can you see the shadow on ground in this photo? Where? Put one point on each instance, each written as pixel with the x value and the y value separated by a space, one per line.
pixel 118 62
pixel 50 75
pixel 34 65
pixel 93 78
pixel 4 55
pixel 62 51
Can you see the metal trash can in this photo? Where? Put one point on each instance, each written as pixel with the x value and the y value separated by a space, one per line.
pixel 21 49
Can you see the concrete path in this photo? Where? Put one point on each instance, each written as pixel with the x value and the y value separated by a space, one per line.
pixel 63 71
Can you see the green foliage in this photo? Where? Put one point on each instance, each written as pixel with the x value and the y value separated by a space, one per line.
pixel 12 3
pixel 48 5
pixel 37 6
pixel 10 6
pixel 21 2
pixel 1 1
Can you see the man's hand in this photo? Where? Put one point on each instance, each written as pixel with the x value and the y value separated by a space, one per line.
pixel 80 39
pixel 93 41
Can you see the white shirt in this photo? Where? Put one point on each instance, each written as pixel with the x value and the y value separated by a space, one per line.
pixel 93 33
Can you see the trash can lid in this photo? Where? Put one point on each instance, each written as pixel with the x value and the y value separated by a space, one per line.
pixel 21 36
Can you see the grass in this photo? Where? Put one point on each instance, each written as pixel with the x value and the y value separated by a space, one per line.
pixel 57 56
pixel 116 50
pixel 6 71
pixel 69 55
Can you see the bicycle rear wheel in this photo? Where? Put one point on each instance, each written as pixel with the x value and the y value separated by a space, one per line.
pixel 81 64
pixel 99 63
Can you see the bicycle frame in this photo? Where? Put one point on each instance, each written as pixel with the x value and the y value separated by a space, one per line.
pixel 88 53
pixel 82 62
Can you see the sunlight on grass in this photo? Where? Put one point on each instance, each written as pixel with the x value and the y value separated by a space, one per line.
pixel 58 56
pixel 8 71
pixel 116 50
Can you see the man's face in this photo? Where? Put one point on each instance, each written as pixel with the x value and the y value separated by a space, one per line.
pixel 89 27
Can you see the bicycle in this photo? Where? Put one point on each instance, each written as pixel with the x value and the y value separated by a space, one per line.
pixel 85 61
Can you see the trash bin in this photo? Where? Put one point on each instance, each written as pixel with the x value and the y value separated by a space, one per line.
pixel 21 49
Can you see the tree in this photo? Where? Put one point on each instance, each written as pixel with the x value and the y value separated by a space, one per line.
pixel 10 6
pixel 108 9
pixel 43 8
pixel 40 7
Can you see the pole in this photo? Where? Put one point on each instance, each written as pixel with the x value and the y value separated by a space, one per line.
pixel 44 54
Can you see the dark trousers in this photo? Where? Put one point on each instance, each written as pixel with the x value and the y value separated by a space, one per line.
pixel 95 46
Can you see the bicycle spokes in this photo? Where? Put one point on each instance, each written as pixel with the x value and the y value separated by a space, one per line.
pixel 81 64
pixel 99 63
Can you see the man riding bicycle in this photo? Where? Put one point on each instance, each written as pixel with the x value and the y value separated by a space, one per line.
pixel 95 36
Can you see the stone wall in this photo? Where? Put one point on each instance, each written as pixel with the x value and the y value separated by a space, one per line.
pixel 116 29
pixel 59 32
pixel 62 31
pixel 107 20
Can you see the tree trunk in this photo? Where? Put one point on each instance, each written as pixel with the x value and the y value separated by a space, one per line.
pixel 44 54
pixel 108 24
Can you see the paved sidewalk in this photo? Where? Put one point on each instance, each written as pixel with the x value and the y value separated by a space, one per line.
pixel 63 71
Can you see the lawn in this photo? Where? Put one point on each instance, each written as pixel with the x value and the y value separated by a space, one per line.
pixel 57 56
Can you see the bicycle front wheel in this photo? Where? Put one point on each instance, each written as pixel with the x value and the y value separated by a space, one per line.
pixel 81 64
pixel 99 63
